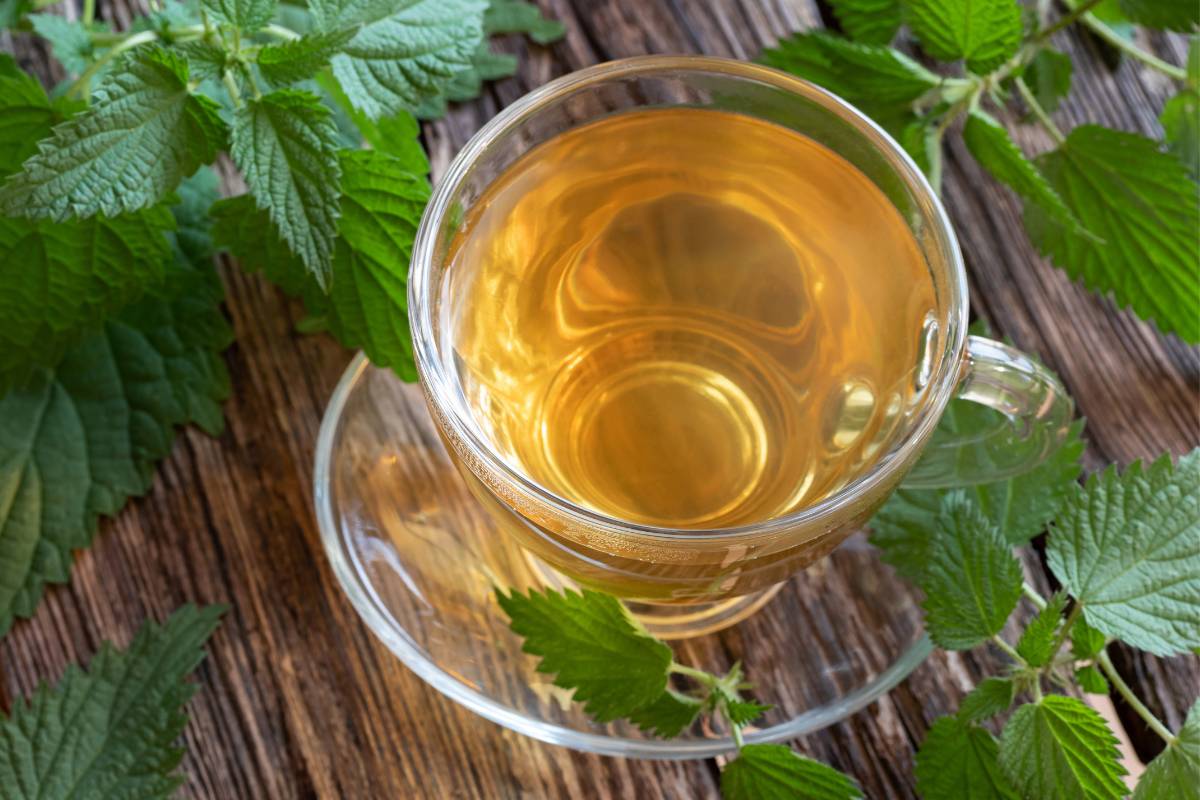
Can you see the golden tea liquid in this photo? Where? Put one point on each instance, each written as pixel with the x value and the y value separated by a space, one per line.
pixel 686 318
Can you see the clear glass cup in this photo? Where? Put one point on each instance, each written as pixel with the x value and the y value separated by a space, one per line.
pixel 692 581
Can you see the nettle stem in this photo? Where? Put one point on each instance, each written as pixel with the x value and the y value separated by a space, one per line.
pixel 1136 704
pixel 697 674
pixel 1036 109
pixel 1067 19
pixel 280 32
pixel 1009 650
pixel 80 86
pixel 1130 49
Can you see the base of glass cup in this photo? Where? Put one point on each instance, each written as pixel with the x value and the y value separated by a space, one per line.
pixel 420 559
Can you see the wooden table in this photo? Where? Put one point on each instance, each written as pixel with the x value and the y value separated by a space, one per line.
pixel 299 700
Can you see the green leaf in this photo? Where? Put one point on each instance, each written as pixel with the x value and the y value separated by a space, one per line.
pixel 1091 680
pixel 1086 641
pixel 11 12
pixel 368 305
pixel 77 441
pixel 69 41
pixel 991 146
pixel 973 581
pixel 958 760
pixel 1036 644
pixel 110 731
pixel 193 233
pixel 669 715
pixel 205 61
pixel 868 21
pixel 776 772
pixel 26 117
pixel 991 697
pixel 1170 15
pixel 58 279
pixel 299 59
pixel 396 61
pixel 879 80
pixel 1175 772
pixel 985 33
pixel 248 15
pixel 1141 210
pixel 466 85
pixel 1020 507
pixel 1049 77
pixel 743 712
pixel 1180 119
pixel 286 146
pixel 142 135
pixel 1060 748
pixel 920 140
pixel 1128 548
pixel 397 135
pixel 518 16
pixel 591 644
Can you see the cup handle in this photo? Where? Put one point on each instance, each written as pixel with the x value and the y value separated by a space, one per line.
pixel 1036 411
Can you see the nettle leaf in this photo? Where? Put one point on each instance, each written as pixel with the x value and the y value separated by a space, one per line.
pixel 1020 507
pixel 368 304
pixel 991 697
pixel 466 85
pixel 1180 119
pixel 11 11
pixel 868 21
pixel 920 140
pixel 78 440
pixel 991 146
pixel 248 15
pixel 1091 680
pixel 591 644
pixel 519 16
pixel 397 135
pixel 299 59
pixel 985 33
pixel 1140 209
pixel 881 81
pixel 958 760
pixel 26 117
pixel 286 146
pixel 1170 15
pixel 192 238
pixel 1086 641
pixel 776 772
pixel 743 712
pixel 973 581
pixel 58 279
pixel 142 135
pixel 69 41
pixel 405 54
pixel 1036 644
pixel 1058 747
pixel 669 715
pixel 1049 77
pixel 1175 772
pixel 1128 548
pixel 110 731
pixel 206 61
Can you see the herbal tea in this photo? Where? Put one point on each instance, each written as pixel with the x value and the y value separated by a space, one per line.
pixel 686 318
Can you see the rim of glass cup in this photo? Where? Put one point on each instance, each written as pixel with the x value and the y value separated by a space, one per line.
pixel 357 585
pixel 438 385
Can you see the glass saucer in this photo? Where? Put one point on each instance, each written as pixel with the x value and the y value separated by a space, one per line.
pixel 418 557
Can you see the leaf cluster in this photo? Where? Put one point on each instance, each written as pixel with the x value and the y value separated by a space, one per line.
pixel 110 322
pixel 1115 210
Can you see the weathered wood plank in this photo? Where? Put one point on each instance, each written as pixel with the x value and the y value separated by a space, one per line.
pixel 297 698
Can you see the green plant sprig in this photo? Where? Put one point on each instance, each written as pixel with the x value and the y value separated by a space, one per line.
pixel 1126 548
pixel 107 196
pixel 1088 201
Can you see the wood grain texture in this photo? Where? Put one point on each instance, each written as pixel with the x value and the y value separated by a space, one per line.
pixel 298 700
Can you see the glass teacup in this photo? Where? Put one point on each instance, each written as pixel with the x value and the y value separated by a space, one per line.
pixel 691 580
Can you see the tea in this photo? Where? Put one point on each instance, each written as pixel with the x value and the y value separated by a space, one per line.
pixel 686 318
